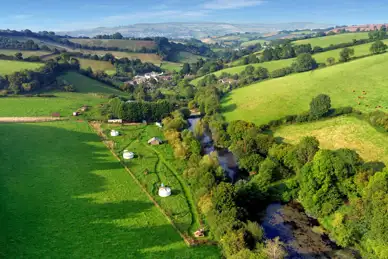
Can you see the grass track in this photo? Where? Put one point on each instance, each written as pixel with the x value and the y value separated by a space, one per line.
pixel 72 199
pixel 275 98
pixel 341 132
pixel 8 67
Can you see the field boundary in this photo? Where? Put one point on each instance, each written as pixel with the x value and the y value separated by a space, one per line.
pixel 189 241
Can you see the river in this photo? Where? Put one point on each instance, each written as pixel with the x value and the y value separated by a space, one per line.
pixel 289 221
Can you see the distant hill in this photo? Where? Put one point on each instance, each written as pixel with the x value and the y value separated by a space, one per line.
pixel 192 30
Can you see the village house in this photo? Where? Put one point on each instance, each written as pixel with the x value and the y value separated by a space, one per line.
pixel 155 141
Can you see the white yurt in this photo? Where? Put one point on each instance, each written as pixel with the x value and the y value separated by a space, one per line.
pixel 164 191
pixel 114 133
pixel 128 155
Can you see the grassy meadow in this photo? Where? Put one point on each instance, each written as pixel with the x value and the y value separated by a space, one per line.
pixel 96 64
pixel 89 92
pixel 334 39
pixel 359 51
pixel 275 98
pixel 10 66
pixel 162 167
pixel 70 198
pixel 171 66
pixel 185 57
pixel 341 132
pixel 252 42
pixel 26 53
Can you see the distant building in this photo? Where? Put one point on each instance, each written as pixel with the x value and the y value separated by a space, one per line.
pixel 75 113
pixel 155 141
pixel 115 121
pixel 114 133
pixel 128 155
pixel 164 191
pixel 158 124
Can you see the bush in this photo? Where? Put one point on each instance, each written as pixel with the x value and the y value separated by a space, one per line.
pixel 304 117
pixel 281 72
pixel 304 62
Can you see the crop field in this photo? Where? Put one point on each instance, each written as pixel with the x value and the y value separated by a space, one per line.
pixel 154 165
pixel 334 39
pixel 89 92
pixel 26 53
pixel 9 66
pixel 96 64
pixel 344 83
pixel 359 51
pixel 134 45
pixel 70 198
pixel 341 132
pixel 171 66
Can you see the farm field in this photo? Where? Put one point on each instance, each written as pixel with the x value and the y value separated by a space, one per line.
pixel 171 66
pixel 96 64
pixel 71 198
pixel 260 102
pixel 252 42
pixel 185 57
pixel 10 66
pixel 26 53
pixel 89 92
pixel 144 57
pixel 334 39
pixel 134 45
pixel 341 132
pixel 161 167
pixel 359 51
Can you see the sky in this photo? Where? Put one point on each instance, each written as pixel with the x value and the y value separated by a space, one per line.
pixel 67 15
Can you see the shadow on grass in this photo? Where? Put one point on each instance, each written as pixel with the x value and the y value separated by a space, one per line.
pixel 63 195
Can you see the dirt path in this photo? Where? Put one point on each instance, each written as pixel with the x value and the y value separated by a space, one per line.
pixel 27 119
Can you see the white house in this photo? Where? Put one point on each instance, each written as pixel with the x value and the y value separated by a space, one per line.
pixel 128 155
pixel 158 124
pixel 115 121
pixel 114 133
pixel 164 191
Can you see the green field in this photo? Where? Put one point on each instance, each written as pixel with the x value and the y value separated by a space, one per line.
pixel 302 32
pixel 341 132
pixel 171 66
pixel 334 39
pixel 96 64
pixel 26 53
pixel 89 92
pixel 134 45
pixel 162 167
pixel 185 57
pixel 70 198
pixel 144 57
pixel 252 42
pixel 359 51
pixel 8 67
pixel 275 98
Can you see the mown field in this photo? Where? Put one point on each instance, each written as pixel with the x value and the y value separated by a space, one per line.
pixel 185 57
pixel 70 198
pixel 359 51
pixel 96 65
pixel 341 132
pixel 161 167
pixel 134 45
pixel 9 66
pixel 275 98
pixel 171 66
pixel 89 92
pixel 26 53
pixel 334 39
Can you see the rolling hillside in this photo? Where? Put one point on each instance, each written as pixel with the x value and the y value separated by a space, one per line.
pixel 334 39
pixel 359 51
pixel 273 99
pixel 9 66
pixel 134 45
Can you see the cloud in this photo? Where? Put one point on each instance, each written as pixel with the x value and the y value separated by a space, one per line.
pixel 231 4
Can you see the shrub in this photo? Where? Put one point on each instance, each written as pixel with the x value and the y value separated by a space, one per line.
pixel 281 72
pixel 304 62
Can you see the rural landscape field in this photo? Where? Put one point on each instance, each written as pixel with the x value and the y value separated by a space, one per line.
pixel 133 130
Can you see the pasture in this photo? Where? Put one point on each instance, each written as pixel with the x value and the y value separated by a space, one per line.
pixel 344 83
pixel 96 64
pixel 70 198
pixel 10 66
pixel 359 51
pixel 185 57
pixel 89 92
pixel 171 66
pixel 26 53
pixel 341 132
pixel 326 41
pixel 252 42
pixel 134 45
pixel 154 165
